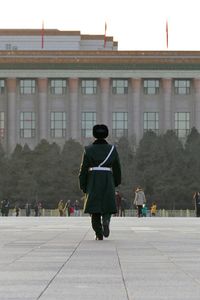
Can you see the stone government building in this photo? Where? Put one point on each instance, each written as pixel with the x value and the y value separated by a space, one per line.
pixel 60 89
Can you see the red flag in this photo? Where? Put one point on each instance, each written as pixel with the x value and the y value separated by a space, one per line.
pixel 105 35
pixel 42 36
pixel 167 33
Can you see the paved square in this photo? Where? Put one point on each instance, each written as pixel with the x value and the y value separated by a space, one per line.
pixel 57 258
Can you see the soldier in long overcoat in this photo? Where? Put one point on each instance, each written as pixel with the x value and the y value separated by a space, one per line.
pixel 100 173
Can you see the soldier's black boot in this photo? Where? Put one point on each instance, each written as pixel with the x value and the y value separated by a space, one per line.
pixel 97 226
pixel 106 224
pixel 99 237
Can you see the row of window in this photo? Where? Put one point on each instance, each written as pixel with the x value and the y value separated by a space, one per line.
pixel 182 123
pixel 89 87
pixel 58 124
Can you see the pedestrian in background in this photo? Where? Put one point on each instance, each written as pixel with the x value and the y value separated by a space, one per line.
pixel 3 207
pixel 153 209
pixel 76 208
pixel 28 209
pixel 139 200
pixel 7 207
pixel 61 207
pixel 123 207
pixel 196 199
pixel 36 209
pixel 118 199
pixel 144 210
pixel 17 210
pixel 68 209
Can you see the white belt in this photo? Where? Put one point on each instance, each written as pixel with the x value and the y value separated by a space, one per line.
pixel 100 169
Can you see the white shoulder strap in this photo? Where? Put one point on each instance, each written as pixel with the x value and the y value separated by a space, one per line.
pixel 107 157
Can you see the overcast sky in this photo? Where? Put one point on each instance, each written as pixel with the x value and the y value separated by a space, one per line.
pixel 135 24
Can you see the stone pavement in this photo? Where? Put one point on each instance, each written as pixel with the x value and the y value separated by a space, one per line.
pixel 57 258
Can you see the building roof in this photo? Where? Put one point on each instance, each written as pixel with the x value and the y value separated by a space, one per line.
pixel 53 39
pixel 22 32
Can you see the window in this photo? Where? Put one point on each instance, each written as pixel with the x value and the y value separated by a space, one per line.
pixel 58 124
pixel 151 121
pixel 89 87
pixel 8 46
pixel 27 124
pixel 182 87
pixel 88 120
pixel 120 86
pixel 2 124
pixel 119 124
pixel 151 87
pixel 58 87
pixel 27 86
pixel 2 86
pixel 182 124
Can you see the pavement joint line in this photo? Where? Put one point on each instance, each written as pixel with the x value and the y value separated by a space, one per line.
pixel 60 269
pixel 177 266
pixel 32 250
pixel 158 266
pixel 122 274
pixel 186 273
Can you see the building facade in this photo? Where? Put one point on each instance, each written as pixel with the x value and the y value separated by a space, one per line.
pixel 75 81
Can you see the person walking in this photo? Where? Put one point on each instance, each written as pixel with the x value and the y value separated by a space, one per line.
pixel 100 173
pixel 28 209
pixel 123 207
pixel 17 210
pixel 36 209
pixel 139 200
pixel 76 208
pixel 3 202
pixel 61 207
pixel 7 207
pixel 144 210
pixel 153 209
pixel 68 209
pixel 196 198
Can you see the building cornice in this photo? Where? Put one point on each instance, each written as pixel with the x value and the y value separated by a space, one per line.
pixel 101 60
pixel 72 73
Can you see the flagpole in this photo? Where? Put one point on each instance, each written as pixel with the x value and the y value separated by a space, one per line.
pixel 105 35
pixel 167 34
pixel 42 36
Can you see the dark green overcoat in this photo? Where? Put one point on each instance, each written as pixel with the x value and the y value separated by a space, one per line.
pixel 99 186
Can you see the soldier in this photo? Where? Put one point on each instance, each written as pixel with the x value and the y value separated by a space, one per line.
pixel 100 172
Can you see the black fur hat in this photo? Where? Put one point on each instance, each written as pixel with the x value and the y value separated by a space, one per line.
pixel 100 131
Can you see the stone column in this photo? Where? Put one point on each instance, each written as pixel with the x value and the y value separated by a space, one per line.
pixel 12 115
pixel 136 91
pixel 167 104
pixel 197 103
pixel 74 115
pixel 105 116
pixel 43 108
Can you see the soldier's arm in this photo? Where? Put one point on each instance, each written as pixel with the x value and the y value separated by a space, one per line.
pixel 116 168
pixel 83 174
